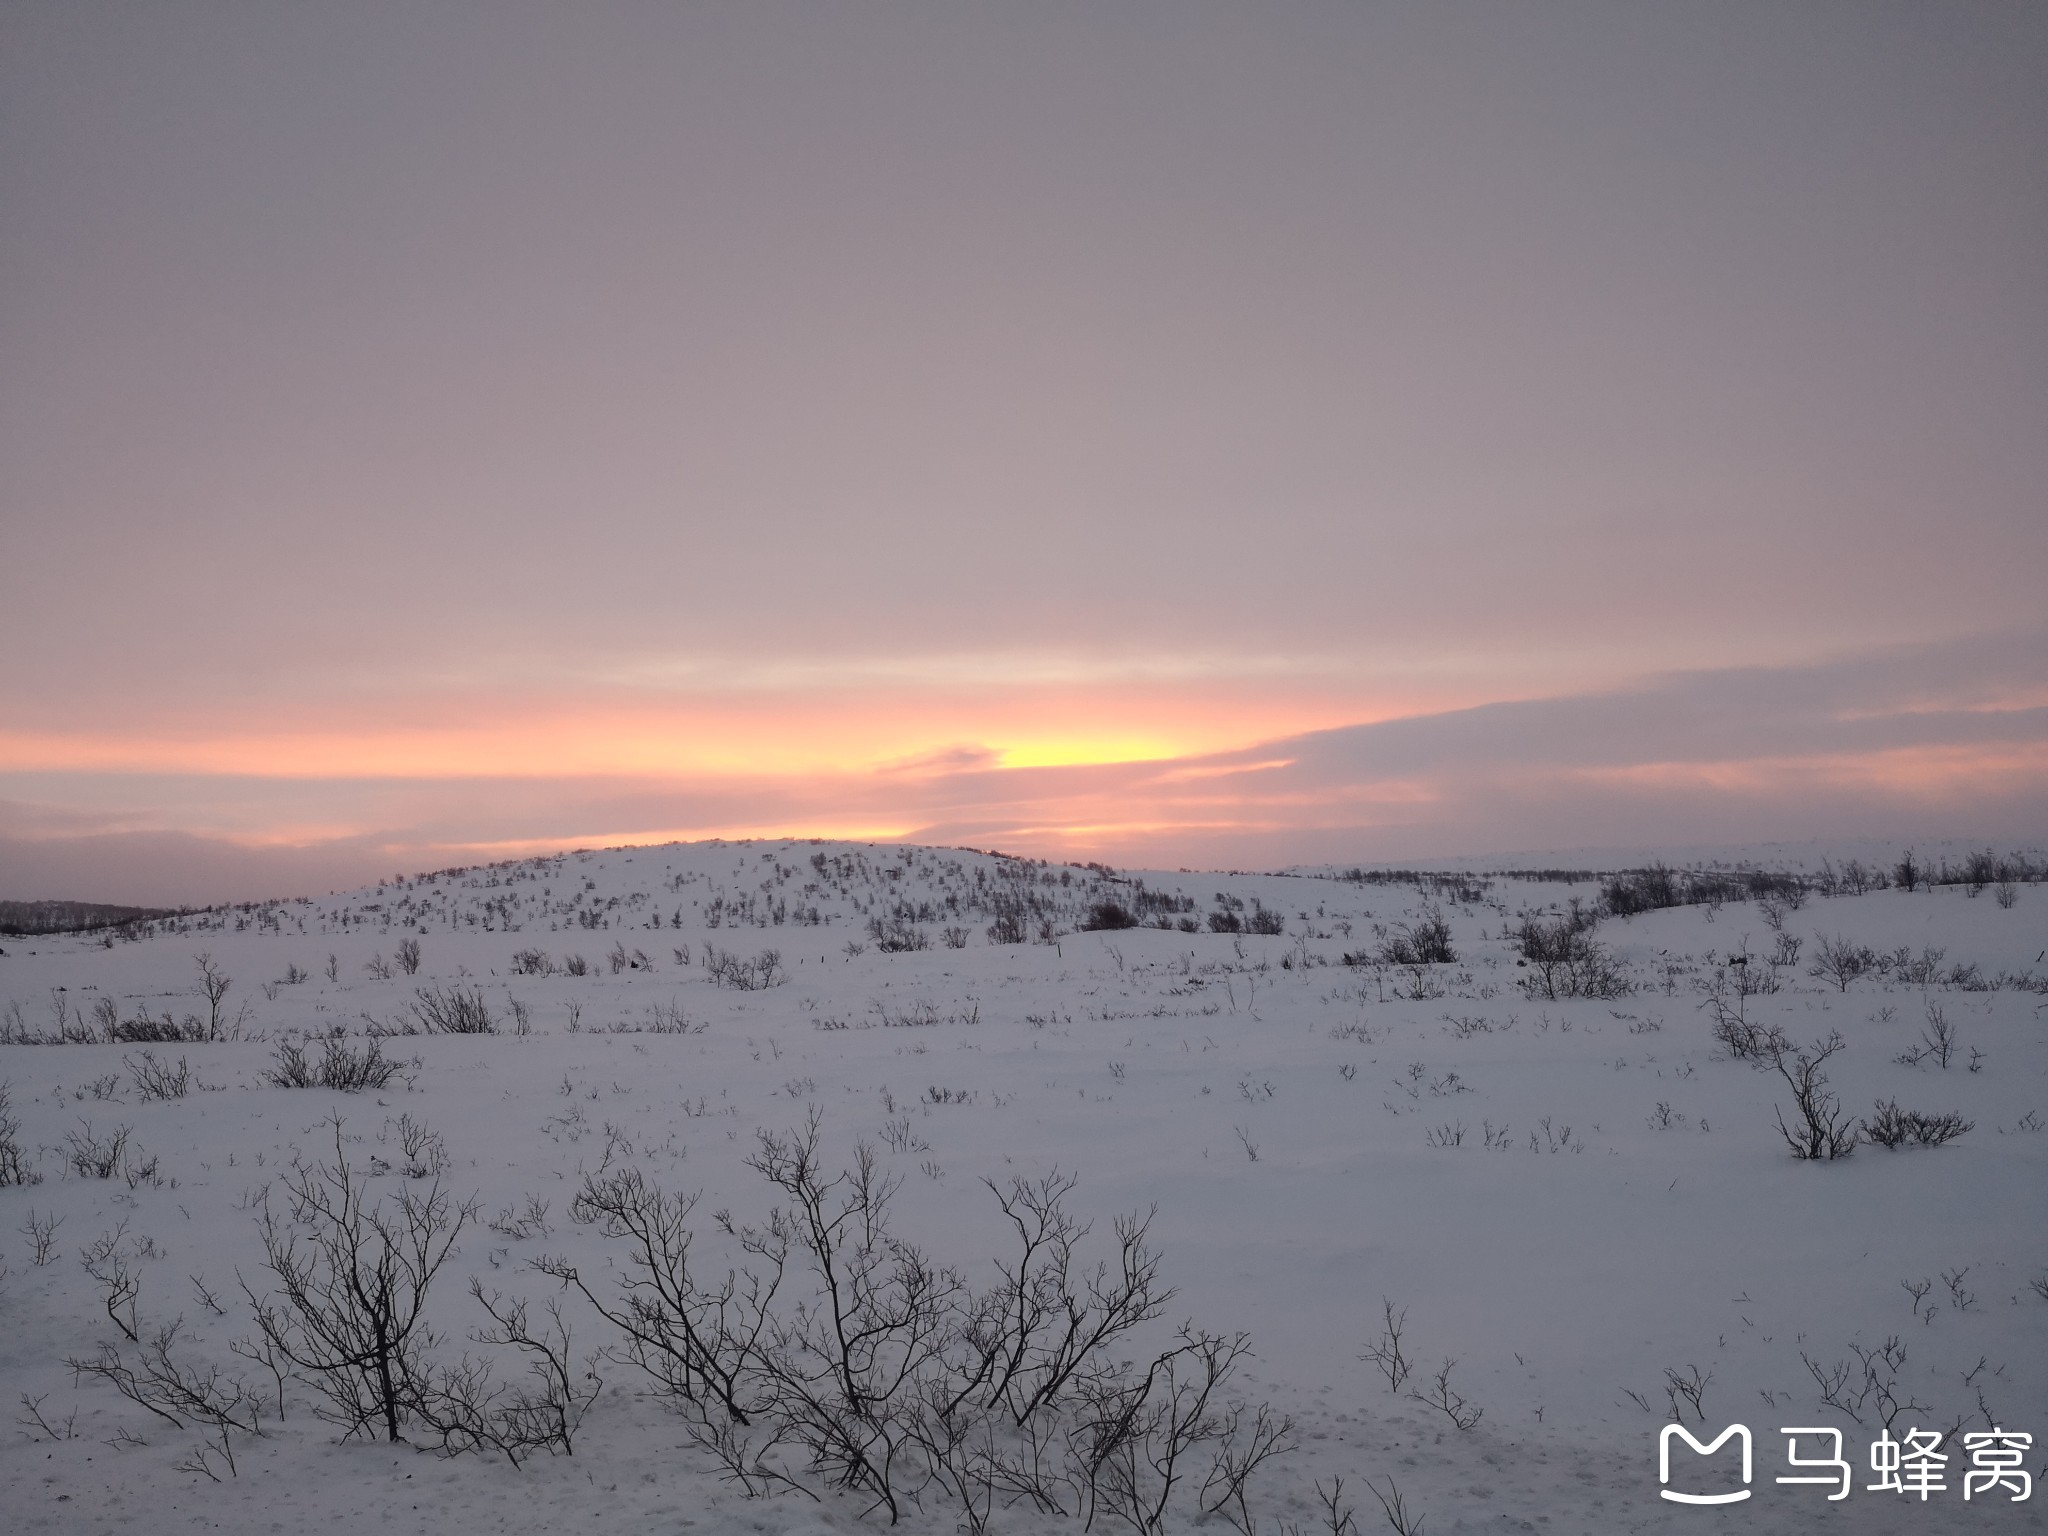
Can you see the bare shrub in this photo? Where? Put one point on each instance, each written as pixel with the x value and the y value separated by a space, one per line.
pixel 215 985
pixel 154 1079
pixel 180 1394
pixel 1937 1040
pixel 518 1225
pixel 15 1169
pixel 112 1271
pixel 516 1420
pixel 1012 923
pixel 1426 941
pixel 453 1011
pixel 41 1232
pixel 696 1341
pixel 1385 1353
pixel 1108 913
pixel 1137 1434
pixel 1395 1506
pixel 1564 960
pixel 142 1029
pixel 894 934
pixel 838 1355
pixel 422 1152
pixel 1266 920
pixel 408 956
pixel 1841 961
pixel 95 1156
pixel 1892 1127
pixel 1823 1131
pixel 340 1068
pixel 1447 1401
pixel 67 1026
pixel 741 974
pixel 353 1274
pixel 1746 1039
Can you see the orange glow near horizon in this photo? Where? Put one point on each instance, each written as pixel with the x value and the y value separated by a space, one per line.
pixel 1127 772
pixel 802 736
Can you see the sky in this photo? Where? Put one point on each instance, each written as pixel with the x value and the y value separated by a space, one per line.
pixel 1168 433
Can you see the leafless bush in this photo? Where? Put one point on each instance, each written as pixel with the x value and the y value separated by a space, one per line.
pixel 15 1169
pixel 214 985
pixel 1745 1039
pixel 1938 1041
pixel 669 1018
pixel 1892 1127
pixel 696 1341
pixel 142 1029
pixel 1136 1434
pixel 353 1274
pixel 38 1428
pixel 1386 1353
pixel 1442 1397
pixel 1688 1386
pixel 155 1080
pixel 1426 941
pixel 1012 923
pixel 67 1026
pixel 547 1415
pixel 531 1222
pixel 1870 1385
pixel 896 934
pixel 181 1395
pixel 408 956
pixel 94 1156
pixel 115 1275
pixel 453 1011
pixel 1823 1131
pixel 340 1068
pixel 532 962
pixel 422 1152
pixel 1564 960
pixel 727 969
pixel 1392 1503
pixel 41 1232
pixel 840 1356
pixel 378 967
pixel 1841 961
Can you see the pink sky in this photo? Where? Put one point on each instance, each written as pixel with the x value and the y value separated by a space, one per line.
pixel 1174 433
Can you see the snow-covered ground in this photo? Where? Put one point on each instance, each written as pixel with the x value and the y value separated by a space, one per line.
pixel 1578 1202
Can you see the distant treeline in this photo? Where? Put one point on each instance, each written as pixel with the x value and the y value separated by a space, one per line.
pixel 1627 891
pixel 29 918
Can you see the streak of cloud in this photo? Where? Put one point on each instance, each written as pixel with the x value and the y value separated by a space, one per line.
pixel 1917 740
